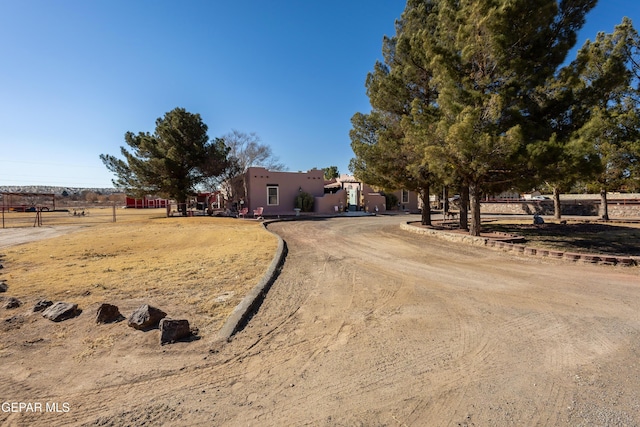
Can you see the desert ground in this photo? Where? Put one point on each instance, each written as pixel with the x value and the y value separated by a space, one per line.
pixel 368 325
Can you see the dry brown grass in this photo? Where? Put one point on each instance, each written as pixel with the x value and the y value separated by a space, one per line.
pixel 197 268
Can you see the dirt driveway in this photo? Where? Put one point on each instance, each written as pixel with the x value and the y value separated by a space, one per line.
pixel 370 325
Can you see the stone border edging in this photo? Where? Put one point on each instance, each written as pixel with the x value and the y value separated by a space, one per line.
pixel 250 303
pixel 524 250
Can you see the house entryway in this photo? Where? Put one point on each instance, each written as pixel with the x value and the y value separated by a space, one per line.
pixel 352 198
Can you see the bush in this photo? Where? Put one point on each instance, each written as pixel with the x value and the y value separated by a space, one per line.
pixel 304 202
pixel 391 200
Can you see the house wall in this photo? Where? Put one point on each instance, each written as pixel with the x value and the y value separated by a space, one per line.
pixel 374 202
pixel 327 203
pixel 413 204
pixel 288 184
pixel 368 198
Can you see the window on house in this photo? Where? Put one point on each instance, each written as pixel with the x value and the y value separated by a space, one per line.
pixel 272 196
pixel 405 196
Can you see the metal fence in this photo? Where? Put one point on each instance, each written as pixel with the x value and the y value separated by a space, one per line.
pixel 78 215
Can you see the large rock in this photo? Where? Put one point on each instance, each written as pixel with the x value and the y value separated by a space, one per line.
pixel 172 330
pixel 108 313
pixel 3 286
pixel 12 303
pixel 61 311
pixel 42 305
pixel 146 317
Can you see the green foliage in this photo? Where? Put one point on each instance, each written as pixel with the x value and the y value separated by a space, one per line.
pixel 172 161
pixel 391 200
pixel 610 78
pixel 330 173
pixel 472 93
pixel 304 201
pixel 390 143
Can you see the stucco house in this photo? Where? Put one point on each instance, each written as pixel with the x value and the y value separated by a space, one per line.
pixel 361 196
pixel 275 192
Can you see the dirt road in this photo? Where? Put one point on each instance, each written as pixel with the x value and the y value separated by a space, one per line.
pixel 371 325
pixel 16 236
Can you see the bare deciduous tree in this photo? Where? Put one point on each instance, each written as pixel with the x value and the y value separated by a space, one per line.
pixel 245 150
pixel 248 150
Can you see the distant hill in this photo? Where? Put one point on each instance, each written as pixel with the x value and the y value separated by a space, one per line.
pixel 54 190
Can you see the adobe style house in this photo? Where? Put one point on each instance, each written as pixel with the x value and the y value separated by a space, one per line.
pixel 276 192
pixel 361 196
pixel 408 201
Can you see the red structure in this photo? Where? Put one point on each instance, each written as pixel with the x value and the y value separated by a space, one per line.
pixel 146 203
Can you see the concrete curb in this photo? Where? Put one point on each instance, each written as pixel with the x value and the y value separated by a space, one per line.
pixel 250 303
pixel 496 244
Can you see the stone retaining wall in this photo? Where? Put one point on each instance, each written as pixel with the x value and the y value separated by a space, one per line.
pixel 617 209
pixel 519 249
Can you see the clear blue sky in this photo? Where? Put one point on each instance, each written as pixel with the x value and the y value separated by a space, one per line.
pixel 77 74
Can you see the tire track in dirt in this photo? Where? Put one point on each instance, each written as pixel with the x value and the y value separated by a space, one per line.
pixel 477 345
pixel 385 365
pixel 370 325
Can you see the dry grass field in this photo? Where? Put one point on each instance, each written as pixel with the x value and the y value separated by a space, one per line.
pixel 199 267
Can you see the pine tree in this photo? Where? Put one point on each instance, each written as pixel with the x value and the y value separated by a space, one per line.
pixel 496 54
pixel 390 142
pixel 609 70
pixel 172 161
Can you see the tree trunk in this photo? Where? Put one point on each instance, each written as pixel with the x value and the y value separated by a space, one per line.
pixel 557 213
pixel 604 209
pixel 445 201
pixel 464 207
pixel 182 206
pixel 426 206
pixel 474 198
pixel 245 191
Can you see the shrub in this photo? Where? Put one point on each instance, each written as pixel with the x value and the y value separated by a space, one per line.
pixel 391 200
pixel 304 202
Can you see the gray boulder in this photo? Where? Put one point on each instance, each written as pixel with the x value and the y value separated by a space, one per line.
pixel 61 311
pixel 12 303
pixel 3 286
pixel 146 317
pixel 42 305
pixel 172 330
pixel 108 313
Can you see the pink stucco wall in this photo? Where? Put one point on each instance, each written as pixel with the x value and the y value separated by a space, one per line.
pixel 374 202
pixel 413 204
pixel 289 185
pixel 326 204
